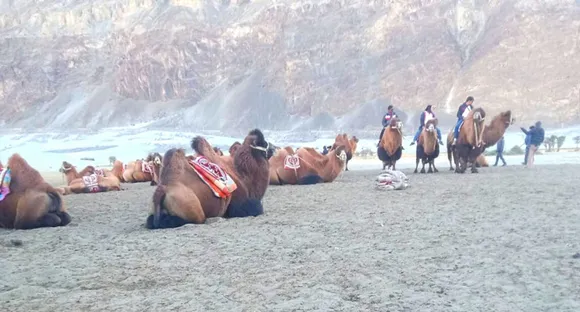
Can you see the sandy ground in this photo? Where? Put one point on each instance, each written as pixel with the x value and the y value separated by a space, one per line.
pixel 502 240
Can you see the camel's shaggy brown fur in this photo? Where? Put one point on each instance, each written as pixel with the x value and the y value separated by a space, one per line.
pixel 391 145
pixel 314 167
pixel 428 147
pixel 32 202
pixel 182 197
pixel 469 142
pixel 491 135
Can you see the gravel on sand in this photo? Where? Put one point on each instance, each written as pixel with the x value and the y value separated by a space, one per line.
pixel 500 240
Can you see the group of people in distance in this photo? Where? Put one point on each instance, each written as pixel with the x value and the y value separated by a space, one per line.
pixel 534 136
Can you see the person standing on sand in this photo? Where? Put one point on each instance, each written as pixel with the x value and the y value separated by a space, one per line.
pixel 499 155
pixel 527 142
pixel 536 139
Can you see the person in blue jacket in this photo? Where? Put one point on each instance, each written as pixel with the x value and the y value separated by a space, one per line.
pixel 462 112
pixel 536 140
pixel 527 142
pixel 499 155
pixel 426 115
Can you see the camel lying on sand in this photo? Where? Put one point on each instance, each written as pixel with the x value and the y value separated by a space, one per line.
pixel 26 200
pixel 142 170
pixel 306 165
pixel 90 183
pixel 190 191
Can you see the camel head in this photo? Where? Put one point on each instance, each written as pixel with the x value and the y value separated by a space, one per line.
pixel 258 143
pixel 218 151
pixel 506 118
pixel 340 153
pixel 157 159
pixel 354 138
pixel 478 115
pixel 66 166
pixel 396 123
pixel 431 125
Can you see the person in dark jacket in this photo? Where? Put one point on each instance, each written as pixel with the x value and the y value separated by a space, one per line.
pixel 426 115
pixel 536 139
pixel 462 112
pixel 499 155
pixel 324 150
pixel 386 120
pixel 527 142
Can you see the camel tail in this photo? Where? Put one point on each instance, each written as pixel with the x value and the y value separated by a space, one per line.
pixel 310 179
pixel 249 208
pixel 55 201
pixel 158 198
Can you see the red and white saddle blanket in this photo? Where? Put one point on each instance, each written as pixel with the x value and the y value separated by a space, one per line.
pixel 100 172
pixel 92 182
pixel 291 162
pixel 146 167
pixel 213 176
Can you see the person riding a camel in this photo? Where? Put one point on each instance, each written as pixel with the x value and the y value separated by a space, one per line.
pixel 462 112
pixel 426 115
pixel 386 120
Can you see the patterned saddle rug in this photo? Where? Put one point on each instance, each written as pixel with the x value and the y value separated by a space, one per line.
pixel 291 162
pixel 5 178
pixel 220 183
pixel 91 182
pixel 146 167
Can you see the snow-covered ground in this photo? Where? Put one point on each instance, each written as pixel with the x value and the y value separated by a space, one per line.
pixel 46 150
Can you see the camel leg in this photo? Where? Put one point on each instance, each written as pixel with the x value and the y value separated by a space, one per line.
pixel 393 165
pixel 65 218
pixel 450 156
pixel 346 167
pixel 430 167
pixel 32 212
pixel 384 165
pixel 474 166
pixel 417 164
pixel 434 168
pixel 423 168
pixel 182 202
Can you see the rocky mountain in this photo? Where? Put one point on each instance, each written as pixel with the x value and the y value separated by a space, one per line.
pixel 283 64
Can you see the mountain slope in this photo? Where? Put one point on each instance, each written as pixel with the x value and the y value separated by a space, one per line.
pixel 221 64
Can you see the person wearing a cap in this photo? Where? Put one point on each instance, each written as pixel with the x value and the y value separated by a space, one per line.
pixel 386 120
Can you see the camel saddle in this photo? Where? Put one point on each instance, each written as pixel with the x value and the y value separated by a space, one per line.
pixel 291 162
pixel 92 182
pixel 5 178
pixel 146 167
pixel 220 183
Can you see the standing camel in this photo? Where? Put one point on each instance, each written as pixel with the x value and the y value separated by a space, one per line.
pixel 390 147
pixel 428 147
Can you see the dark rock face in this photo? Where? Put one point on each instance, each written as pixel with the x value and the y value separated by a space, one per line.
pixel 233 65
